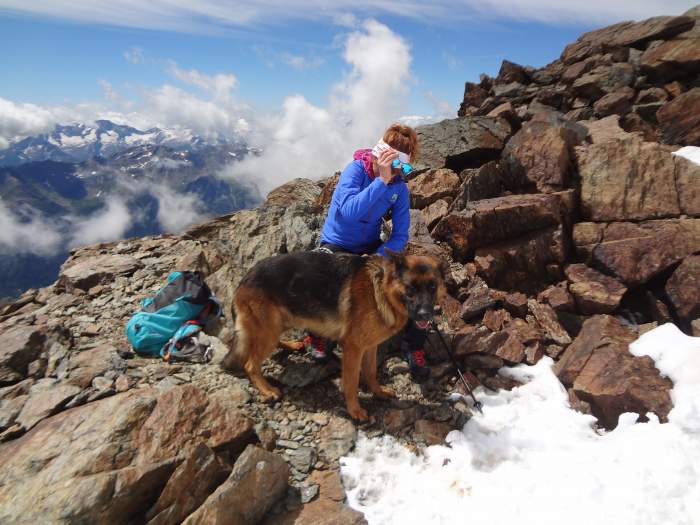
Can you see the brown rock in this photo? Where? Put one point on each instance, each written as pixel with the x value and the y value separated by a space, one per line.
pixel 524 263
pixel 547 319
pixel 21 345
pixel 511 72
pixel 337 438
pixel 541 153
pixel 674 88
pixel 395 420
pixel 87 365
pixel 594 292
pixel 328 187
pixel 683 289
pixel 189 486
pixel 604 374
pixel 512 350
pixel 432 185
pixel 634 123
pixel 84 273
pixel 673 59
pixel 296 191
pixel 618 102
pixel 527 332
pixel 484 182
pixel 461 143
pixel 258 480
pixel 474 96
pixel 687 176
pixel 577 69
pixel 534 353
pixel 471 340
pixel 605 129
pixel 482 362
pixel 680 119
pixel 602 80
pixel 627 179
pixel 652 94
pixel 436 211
pixel 489 221
pixel 479 299
pixel 431 432
pixel 558 297
pixel 496 320
pixel 636 252
pixel 516 304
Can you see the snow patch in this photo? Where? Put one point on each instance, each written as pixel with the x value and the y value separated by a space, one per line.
pixel 692 153
pixel 531 459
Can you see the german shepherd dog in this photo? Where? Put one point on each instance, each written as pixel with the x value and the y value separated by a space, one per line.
pixel 358 301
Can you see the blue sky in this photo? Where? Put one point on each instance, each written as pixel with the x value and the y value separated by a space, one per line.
pixel 274 70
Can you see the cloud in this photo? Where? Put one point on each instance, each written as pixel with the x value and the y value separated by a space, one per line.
pixel 207 16
pixel 108 224
pixel 176 211
pixel 31 235
pixel 301 62
pixel 219 85
pixel 109 92
pixel 19 119
pixel 135 55
pixel 451 60
pixel 311 141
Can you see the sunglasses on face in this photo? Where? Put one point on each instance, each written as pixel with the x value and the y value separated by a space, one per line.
pixel 405 167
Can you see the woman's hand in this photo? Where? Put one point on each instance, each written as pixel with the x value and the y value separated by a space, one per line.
pixel 386 157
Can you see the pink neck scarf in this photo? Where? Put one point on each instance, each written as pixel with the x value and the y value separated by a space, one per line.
pixel 365 155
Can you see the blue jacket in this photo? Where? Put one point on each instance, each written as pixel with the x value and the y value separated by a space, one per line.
pixel 354 219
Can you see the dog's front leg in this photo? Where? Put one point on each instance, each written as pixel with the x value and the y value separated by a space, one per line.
pixel 369 371
pixel 352 358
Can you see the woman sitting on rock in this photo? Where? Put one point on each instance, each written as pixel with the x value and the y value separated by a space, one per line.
pixel 371 186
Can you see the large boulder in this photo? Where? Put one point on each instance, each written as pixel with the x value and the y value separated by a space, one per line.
pixel 84 273
pixel 601 371
pixel 525 263
pixel 629 180
pixel 680 119
pixel 21 346
pixel 636 252
pixel 461 143
pixel 602 80
pixel 593 292
pixel 108 461
pixel 431 186
pixel 474 96
pixel 625 34
pixel 484 182
pixel 296 191
pixel 677 58
pixel 683 289
pixel 490 221
pixel 541 154
pixel 257 481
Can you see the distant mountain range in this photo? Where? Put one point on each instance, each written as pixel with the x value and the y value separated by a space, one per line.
pixel 77 170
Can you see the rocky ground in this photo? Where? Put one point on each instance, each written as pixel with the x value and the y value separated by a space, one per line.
pixel 569 226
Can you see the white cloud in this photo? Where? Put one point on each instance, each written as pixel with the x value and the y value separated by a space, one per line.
pixel 108 224
pixel 33 235
pixel 217 15
pixel 135 55
pixel 219 85
pixel 301 62
pixel 19 119
pixel 109 92
pixel 176 211
pixel 312 141
pixel 452 61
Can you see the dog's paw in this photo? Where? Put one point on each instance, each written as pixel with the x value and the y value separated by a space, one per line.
pixel 271 394
pixel 384 393
pixel 358 414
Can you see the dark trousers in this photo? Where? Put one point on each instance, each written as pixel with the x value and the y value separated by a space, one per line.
pixel 414 338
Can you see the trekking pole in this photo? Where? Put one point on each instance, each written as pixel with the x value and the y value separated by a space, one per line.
pixel 477 404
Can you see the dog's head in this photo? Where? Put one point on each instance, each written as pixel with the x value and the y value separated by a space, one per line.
pixel 420 283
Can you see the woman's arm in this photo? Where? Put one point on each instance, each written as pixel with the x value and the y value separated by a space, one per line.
pixel 400 220
pixel 354 203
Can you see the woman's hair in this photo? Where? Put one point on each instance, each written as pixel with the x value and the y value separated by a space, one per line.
pixel 402 138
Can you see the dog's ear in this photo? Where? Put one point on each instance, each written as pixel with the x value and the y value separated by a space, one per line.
pixel 398 258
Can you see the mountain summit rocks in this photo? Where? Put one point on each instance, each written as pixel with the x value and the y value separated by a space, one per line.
pixel 569 228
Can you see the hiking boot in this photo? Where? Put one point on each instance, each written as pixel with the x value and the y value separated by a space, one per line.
pixel 420 371
pixel 317 348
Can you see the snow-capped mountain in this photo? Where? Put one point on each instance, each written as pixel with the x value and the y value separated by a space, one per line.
pixel 80 142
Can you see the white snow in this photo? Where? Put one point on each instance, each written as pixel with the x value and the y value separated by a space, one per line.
pixel 109 137
pixel 531 459
pixel 692 153
pixel 77 141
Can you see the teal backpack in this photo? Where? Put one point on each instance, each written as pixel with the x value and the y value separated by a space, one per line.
pixel 169 322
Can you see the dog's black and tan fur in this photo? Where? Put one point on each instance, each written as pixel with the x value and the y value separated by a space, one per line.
pixel 358 301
